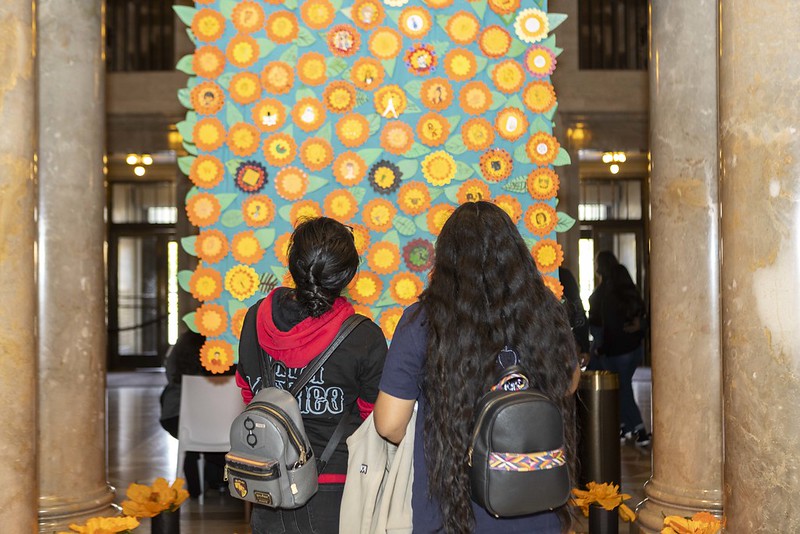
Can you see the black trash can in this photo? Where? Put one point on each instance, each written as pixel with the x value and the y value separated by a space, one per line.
pixel 598 427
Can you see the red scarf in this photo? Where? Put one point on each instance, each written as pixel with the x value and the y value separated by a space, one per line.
pixel 305 340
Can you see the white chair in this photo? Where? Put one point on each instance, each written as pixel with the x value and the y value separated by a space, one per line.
pixel 209 404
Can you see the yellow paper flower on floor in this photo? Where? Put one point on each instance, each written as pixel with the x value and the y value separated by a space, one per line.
pixel 511 123
pixel 242 51
pixel 460 64
pixel 389 319
pixel 463 27
pixel 269 114
pixel 208 62
pixel 367 73
pixel 105 525
pixel 206 171
pixel 277 77
pixel 508 76
pixel 365 288
pixel 539 96
pixel 216 356
pixel 246 248
pixel 540 219
pixel 279 149
pixel 241 282
pixel 475 98
pixel 205 284
pixel 243 139
pixel 211 320
pixel 341 205
pixel 473 191
pixel 413 198
pixel 368 14
pixel 211 246
pixel 282 27
pixel 437 216
pixel 291 183
pixel 385 43
pixel 207 98
pixel 494 41
pixel 208 134
pixel 361 237
pixel 504 7
pixel 311 68
pixel 604 495
pixel 203 209
pixel 384 257
pixel 352 130
pixel 244 88
pixel 700 523
pixel 258 211
pixel 281 247
pixel 305 209
pixel 247 17
pixel 436 94
pixel 542 148
pixel 415 22
pixel 378 215
pixel 397 137
pixel 317 14
pixel 510 205
pixel 390 101
pixel 405 288
pixel 496 165
pixel 543 183
pixel 316 153
pixel 237 322
pixel 339 97
pixel 439 168
pixel 477 134
pixel 349 168
pixel 309 114
pixel 554 285
pixel 531 25
pixel 433 129
pixel 548 255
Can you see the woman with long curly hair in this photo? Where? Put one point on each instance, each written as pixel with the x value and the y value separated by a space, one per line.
pixel 484 294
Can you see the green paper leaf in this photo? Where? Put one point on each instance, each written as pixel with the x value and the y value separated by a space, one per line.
pixel 412 107
pixel 477 168
pixel 234 306
pixel 520 154
pixel 232 114
pixel 225 80
pixel 374 123
pixel 435 192
pixel 289 130
pixel 413 88
pixel 265 236
pixel 335 66
pixel 498 99
pixel 451 192
pixel 455 145
pixel 441 47
pixel 529 242
pixel 265 47
pixel 232 165
pixel 555 20
pixel 348 12
pixel 358 193
pixel 549 42
pixel 565 222
pixel 189 147
pixel 408 167
pixel 385 300
pixel 404 225
pixel 226 199
pixel 551 112
pixel 479 8
pixel 232 219
pixel 304 37
pixel 454 120
pixel 557 51
pixel 191 36
pixel 226 7
pixel 192 192
pixel 184 97
pixel 517 48
pixel 187 243
pixel 183 280
pixel 388 65
pixel 508 18
pixel 337 4
pixel 361 98
pixel 482 63
pixel 370 155
pixel 562 158
pixel 518 184
pixel 417 150
pixel 290 4
pixel 304 92
pixel 441 20
pixel 315 183
pixel 539 124
pixel 185 128
pixel 289 55
pixel 185 64
pixel 189 320
pixel 325 132
pixel 463 171
pixel 392 237
pixel 285 212
pixel 185 164
pixel 279 272
pixel 515 102
pixel 394 15
pixel 420 220
pixel 185 13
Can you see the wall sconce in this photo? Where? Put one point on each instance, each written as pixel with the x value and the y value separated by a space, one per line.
pixel 138 162
pixel 614 159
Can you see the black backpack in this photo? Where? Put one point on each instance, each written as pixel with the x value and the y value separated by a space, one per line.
pixel 517 460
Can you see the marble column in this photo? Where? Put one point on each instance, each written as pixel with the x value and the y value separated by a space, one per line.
pixel 684 265
pixel 760 194
pixel 72 345
pixel 18 487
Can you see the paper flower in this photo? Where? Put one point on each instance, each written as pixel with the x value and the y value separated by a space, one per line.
pixel 508 76
pixel 384 177
pixel 554 285
pixel 390 101
pixel 436 94
pixel 415 22
pixel 305 209
pixel 475 98
pixel 543 183
pixel 477 134
pixel 269 115
pixel 540 219
pixel 418 255
pixel 504 7
pixel 367 14
pixel 352 130
pixel 105 525
pixel 309 114
pixel 365 288
pixel 343 40
pixel 421 59
pixel 203 209
pixel 462 27
pixel 247 17
pixel 341 205
pixel 531 25
pixel 367 73
pixel 540 61
pixel 316 153
pixel 605 495
pixel 211 246
pixel 511 123
pixel 385 43
pixel 241 282
pixel 383 257
pixel 364 310
pixel 460 64
pixel 291 183
pixel 539 96
pixel 397 137
pixel 207 98
pixel 389 319
pixel 243 139
pixel 378 215
pixel 395 3
pixel 237 321
pixel 494 41
pixel 317 14
pixel 433 129
pixel 349 168
pixel 439 4
pixel 700 523
pixel 413 198
pixel 542 148
pixel 510 205
pixel 208 134
pixel 404 288
pixel 439 168
pixel 288 281
pixel 251 176
pixel 496 165
pixel 277 77
pixel 437 216
pixel 205 284
pixel 548 255
pixel 242 51
pixel 258 211
pixel 361 238
pixel 279 149
pixel 211 320
pixel 206 171
pixel 472 191
pixel 208 62
pixel 281 247
pixel 282 27
pixel 246 248
pixel 311 68
pixel 244 88
pixel 216 356
pixel 339 97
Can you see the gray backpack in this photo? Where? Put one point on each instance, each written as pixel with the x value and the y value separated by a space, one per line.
pixel 271 461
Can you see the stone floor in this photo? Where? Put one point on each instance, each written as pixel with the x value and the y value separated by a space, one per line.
pixel 139 450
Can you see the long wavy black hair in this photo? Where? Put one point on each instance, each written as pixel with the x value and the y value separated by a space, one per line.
pixel 484 293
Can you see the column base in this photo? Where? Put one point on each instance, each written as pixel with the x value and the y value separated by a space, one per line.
pixel 662 501
pixel 56 514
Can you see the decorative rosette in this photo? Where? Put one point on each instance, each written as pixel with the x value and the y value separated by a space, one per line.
pixel 531 25
pixel 421 59
pixel 384 177
pixel 251 176
pixel 418 255
pixel 241 282
pixel 540 61
pixel 439 168
pixel 496 165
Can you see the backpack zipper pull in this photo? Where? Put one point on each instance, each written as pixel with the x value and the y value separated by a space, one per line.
pixel 469 456
pixel 225 473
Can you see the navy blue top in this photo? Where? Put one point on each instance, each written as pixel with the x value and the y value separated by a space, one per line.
pixel 402 378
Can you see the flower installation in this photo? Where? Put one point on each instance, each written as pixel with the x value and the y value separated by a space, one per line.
pixel 607 496
pixel 105 525
pixel 699 523
pixel 149 501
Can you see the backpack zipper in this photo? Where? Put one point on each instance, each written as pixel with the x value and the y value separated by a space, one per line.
pixel 294 433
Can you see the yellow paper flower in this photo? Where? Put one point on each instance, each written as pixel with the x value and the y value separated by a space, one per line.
pixel 243 139
pixel 207 98
pixel 208 134
pixel 311 68
pixel 542 148
pixel 504 7
pixel 208 62
pixel 317 14
pixel 439 168
pixel 473 191
pixel 439 4
pixel 246 248
pixel 390 101
pixel 247 16
pixel 203 209
pixel 548 255
pixel 365 288
pixel 367 73
pixel 700 523
pixel 305 209
pixel 149 501
pixel 415 22
pixel 364 310
pixel 508 76
pixel 405 288
pixel 244 88
pixel 279 149
pixel 437 216
pixel 242 51
pixel 241 282
pixel 511 123
pixel 378 215
pixel 463 27
pixel 205 284
pixel 558 290
pixel 309 114
pixel 211 320
pixel 496 165
pixel 510 205
pixel 339 97
pixel 540 61
pixel 352 130
pixel 384 257
pixel 605 495
pixel 277 77
pixel 413 198
pixel 475 98
pixel 281 248
pixel 368 14
pixel 531 25
pixel 397 137
pixel 237 321
pixel 361 238
pixel 105 525
pixel 540 219
pixel 385 43
pixel 216 356
pixel 539 96
pixel 211 246
pixel 494 41
pixel 349 168
pixel 343 40
pixel 460 64
pixel 206 171
pixel 341 205
pixel 258 211
pixel 269 114
pixel 291 183
pixel 477 134
pixel 543 184
pixel 389 319
pixel 282 27
pixel 433 129
pixel 436 94
pixel 316 153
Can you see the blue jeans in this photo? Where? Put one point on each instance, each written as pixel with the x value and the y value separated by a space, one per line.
pixel 319 516
pixel 625 365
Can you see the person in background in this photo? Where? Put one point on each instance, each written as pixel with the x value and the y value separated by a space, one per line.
pixel 484 293
pixel 576 314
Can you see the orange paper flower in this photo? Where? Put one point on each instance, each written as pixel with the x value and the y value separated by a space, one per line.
pixel 367 73
pixel 349 168
pixel 378 214
pixel 277 77
pixel 208 62
pixel 460 64
pixel 439 4
pixel 309 114
pixel 477 134
pixel 415 22
pixel 341 205
pixel 237 322
pixel 281 248
pixel 105 525
pixel 540 219
pixel 243 139
pixel 364 310
pixel 316 153
pixel 437 216
pixel 494 41
pixel 339 96
pixel 496 165
pixel 206 171
pixel 367 14
pixel 208 134
pixel 548 255
pixel 475 98
pixel 282 27
pixel 279 149
pixel 384 257
pixel 542 148
pixel 258 211
pixel 504 7
pixel 247 16
pixel 605 495
pixel 149 501
pixel 242 51
pixel 463 27
pixel 244 88
pixel 241 282
pixel 211 246
pixel 390 101
pixel 511 123
pixel 203 209
pixel 311 68
pixel 543 184
pixel 361 238
pixel 385 43
pixel 211 320
pixel 405 288
pixel 305 209
pixel 317 14
pixel 291 183
pixel 343 40
pixel 436 94
pixel 433 129
pixel 246 248
pixel 473 191
pixel 413 198
pixel 700 523
pixel 352 130
pixel 539 96
pixel 510 205
pixel 216 356
pixel 365 288
pixel 439 168
pixel 397 137
pixel 508 76
pixel 269 114
pixel 205 284
pixel 389 319
pixel 207 98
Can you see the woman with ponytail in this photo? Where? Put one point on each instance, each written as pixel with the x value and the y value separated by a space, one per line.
pixel 292 327
pixel 484 294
